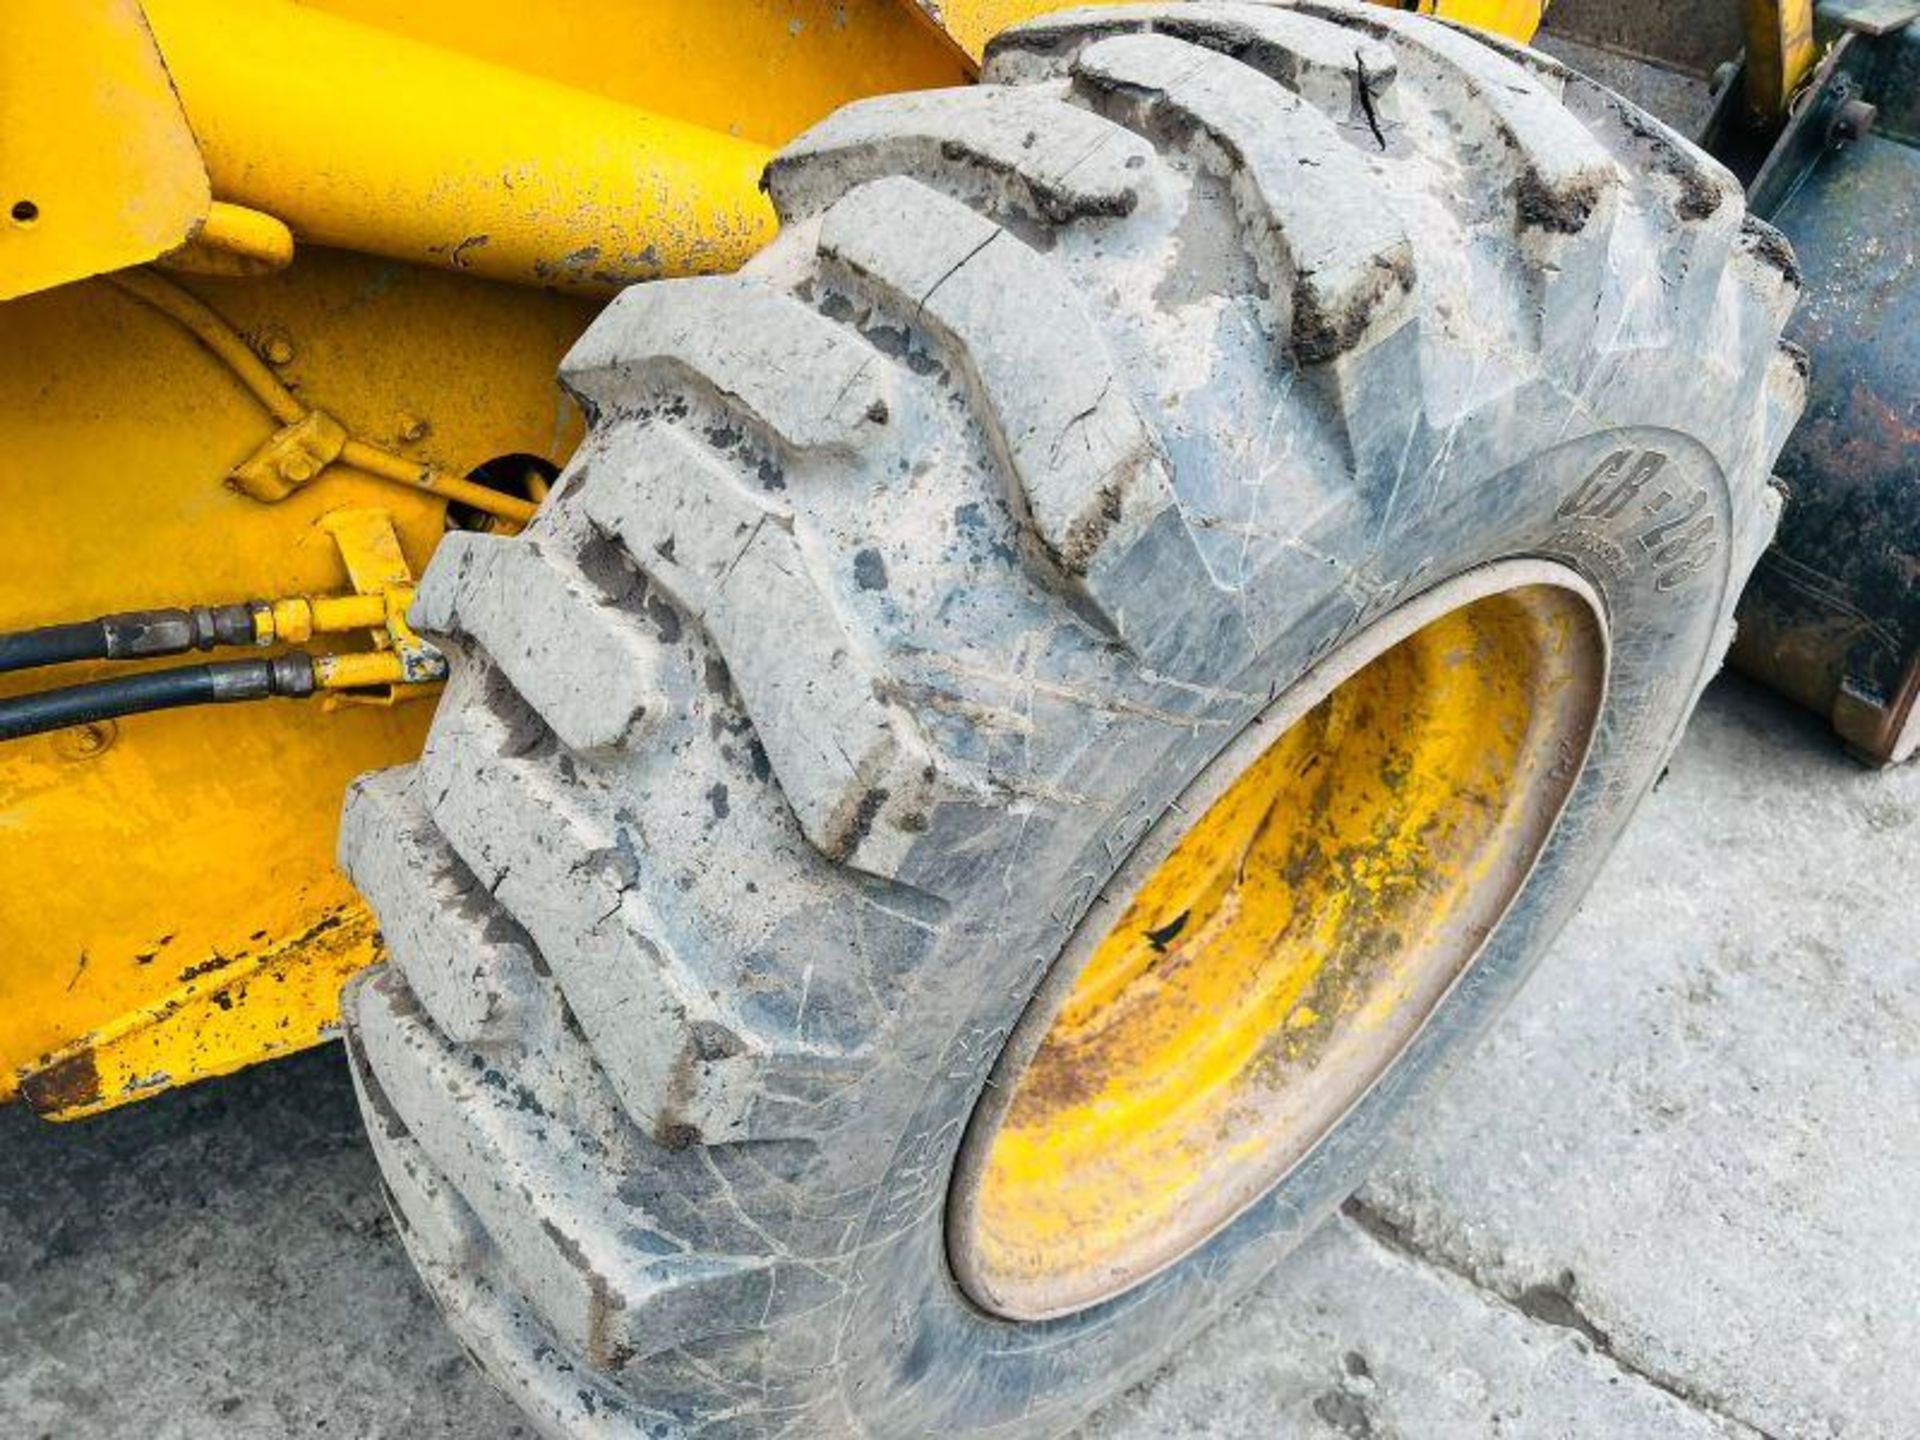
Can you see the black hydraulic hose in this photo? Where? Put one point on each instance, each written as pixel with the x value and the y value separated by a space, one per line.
pixel 214 684
pixel 53 645
pixel 131 635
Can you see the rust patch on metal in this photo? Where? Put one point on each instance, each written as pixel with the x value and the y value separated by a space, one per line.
pixel 65 1085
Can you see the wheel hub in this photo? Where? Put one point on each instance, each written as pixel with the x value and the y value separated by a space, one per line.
pixel 1278 941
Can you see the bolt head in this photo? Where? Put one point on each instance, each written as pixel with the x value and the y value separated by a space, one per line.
pixel 84 742
pixel 1855 120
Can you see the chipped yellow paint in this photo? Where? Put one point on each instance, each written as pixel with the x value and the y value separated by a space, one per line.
pixel 1283 953
pixel 222 1014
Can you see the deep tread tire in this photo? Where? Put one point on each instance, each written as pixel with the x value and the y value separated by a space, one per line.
pixel 901 583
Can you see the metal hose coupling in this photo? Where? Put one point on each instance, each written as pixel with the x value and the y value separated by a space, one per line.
pixel 136 633
pixel 288 675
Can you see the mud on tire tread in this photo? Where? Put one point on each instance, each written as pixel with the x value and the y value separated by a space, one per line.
pixel 899 584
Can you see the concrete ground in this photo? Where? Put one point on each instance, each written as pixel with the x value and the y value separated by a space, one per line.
pixel 1676 1196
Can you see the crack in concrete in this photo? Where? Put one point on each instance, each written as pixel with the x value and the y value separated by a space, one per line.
pixel 1550 1303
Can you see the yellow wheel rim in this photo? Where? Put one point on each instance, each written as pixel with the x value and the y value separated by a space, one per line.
pixel 1278 941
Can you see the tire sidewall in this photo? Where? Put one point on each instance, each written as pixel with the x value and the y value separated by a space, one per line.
pixel 1644 515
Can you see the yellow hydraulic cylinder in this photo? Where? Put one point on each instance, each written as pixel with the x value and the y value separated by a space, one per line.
pixel 1781 54
pixel 361 139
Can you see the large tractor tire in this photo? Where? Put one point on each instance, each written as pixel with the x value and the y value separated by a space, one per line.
pixel 1048 711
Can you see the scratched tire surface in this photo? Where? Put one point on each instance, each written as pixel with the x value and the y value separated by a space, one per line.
pixel 902 581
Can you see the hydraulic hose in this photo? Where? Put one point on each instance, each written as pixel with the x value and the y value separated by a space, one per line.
pixel 131 635
pixel 213 684
pixel 53 645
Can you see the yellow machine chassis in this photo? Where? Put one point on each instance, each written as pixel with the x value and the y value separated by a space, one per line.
pixel 275 280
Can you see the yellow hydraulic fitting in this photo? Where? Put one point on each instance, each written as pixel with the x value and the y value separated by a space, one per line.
pixel 233 240
pixel 364 671
pixel 371 549
pixel 295 620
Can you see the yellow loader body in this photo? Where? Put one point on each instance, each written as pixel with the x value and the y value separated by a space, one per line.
pixel 277 282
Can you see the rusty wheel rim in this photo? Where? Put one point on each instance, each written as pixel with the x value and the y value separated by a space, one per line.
pixel 1277 941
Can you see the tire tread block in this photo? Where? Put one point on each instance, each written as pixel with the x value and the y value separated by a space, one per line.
pixel 681 1063
pixel 1087 474
pixel 1320 62
pixel 855 769
pixel 1565 174
pixel 468 962
pixel 754 350
pixel 1344 259
pixel 512 597
pixel 612 1288
pixel 1065 162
